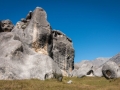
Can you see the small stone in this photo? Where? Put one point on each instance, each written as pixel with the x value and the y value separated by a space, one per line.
pixel 69 82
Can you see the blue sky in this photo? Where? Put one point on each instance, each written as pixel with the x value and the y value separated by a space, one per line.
pixel 93 25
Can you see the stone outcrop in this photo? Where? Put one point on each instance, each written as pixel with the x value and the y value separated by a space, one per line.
pixel 26 51
pixel 85 69
pixel 116 59
pixel 110 70
pixel 31 49
pixel 97 66
pixel 63 52
pixel 97 71
pixel 107 67
pixel 6 26
pixel 36 32
pixel 89 68
pixel 99 61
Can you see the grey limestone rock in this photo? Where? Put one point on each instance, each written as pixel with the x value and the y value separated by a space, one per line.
pixel 110 70
pixel 73 73
pixel 9 43
pixel 116 59
pixel 6 26
pixel 63 52
pixel 35 32
pixel 36 36
pixel 85 68
pixel 15 64
pixel 89 68
pixel 78 65
pixel 99 61
pixel 25 52
pixel 97 71
pixel 97 66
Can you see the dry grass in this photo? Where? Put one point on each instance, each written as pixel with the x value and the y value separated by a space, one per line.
pixel 85 83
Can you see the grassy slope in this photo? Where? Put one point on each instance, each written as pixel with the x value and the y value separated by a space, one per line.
pixel 86 83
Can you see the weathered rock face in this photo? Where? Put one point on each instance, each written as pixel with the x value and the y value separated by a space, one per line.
pixel 35 32
pixel 25 52
pixel 110 70
pixel 73 73
pixel 15 64
pixel 78 65
pixel 85 69
pixel 107 67
pixel 89 68
pixel 6 26
pixel 63 52
pixel 9 44
pixel 97 71
pixel 37 36
pixel 116 59
pixel 99 61
pixel 97 66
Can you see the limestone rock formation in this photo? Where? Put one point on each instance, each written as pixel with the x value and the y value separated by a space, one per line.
pixel 97 71
pixel 15 64
pixel 107 67
pixel 6 26
pixel 63 52
pixel 116 59
pixel 89 68
pixel 26 51
pixel 36 32
pixel 97 66
pixel 85 69
pixel 37 36
pixel 99 61
pixel 78 65
pixel 73 73
pixel 110 70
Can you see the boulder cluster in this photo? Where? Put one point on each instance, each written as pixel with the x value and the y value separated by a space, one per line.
pixel 31 49
pixel 107 67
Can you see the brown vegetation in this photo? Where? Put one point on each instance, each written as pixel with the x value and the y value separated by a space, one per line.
pixel 85 83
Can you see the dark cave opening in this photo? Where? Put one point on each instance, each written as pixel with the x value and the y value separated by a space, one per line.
pixel 90 72
pixel 108 72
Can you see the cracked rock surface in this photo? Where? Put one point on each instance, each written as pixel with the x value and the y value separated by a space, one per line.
pixel 26 49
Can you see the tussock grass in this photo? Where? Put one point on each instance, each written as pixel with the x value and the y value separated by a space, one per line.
pixel 85 83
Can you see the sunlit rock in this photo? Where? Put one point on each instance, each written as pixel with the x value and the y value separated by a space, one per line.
pixel 26 51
